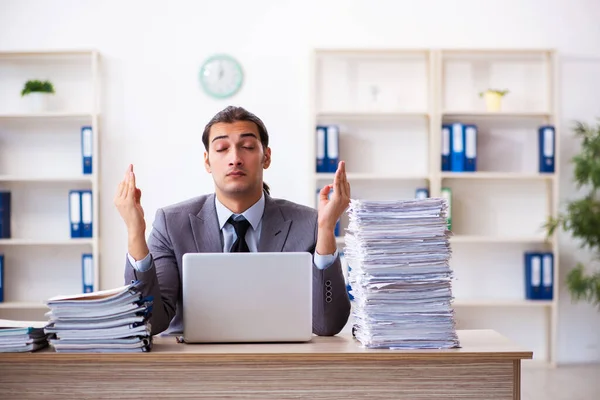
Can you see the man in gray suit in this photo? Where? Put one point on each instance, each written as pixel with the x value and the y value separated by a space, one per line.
pixel 239 216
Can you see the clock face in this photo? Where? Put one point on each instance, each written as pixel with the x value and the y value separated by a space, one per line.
pixel 221 76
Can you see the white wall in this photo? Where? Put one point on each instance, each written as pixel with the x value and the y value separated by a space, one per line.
pixel 154 111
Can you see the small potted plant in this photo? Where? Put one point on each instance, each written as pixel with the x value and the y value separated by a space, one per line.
pixel 37 92
pixel 493 98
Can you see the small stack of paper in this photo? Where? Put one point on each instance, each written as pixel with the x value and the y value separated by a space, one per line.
pixel 398 253
pixel 114 320
pixel 22 336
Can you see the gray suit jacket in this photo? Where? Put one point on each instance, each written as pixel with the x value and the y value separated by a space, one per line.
pixel 192 227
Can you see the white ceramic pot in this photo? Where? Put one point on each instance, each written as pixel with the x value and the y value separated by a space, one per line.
pixel 492 101
pixel 37 102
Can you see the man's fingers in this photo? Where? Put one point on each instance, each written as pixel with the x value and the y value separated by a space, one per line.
pixel 121 189
pixel 324 193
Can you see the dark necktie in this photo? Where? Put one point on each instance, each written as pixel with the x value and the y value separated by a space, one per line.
pixel 241 227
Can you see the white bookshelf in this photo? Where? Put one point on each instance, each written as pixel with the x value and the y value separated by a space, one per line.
pixel 390 106
pixel 41 162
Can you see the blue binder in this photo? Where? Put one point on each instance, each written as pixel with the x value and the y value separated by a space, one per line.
pixel 332 148
pixel 87 273
pixel 470 162
pixel 421 193
pixel 1 278
pixel 446 146
pixel 5 199
pixel 86 149
pixel 86 214
pixel 321 148
pixel 547 287
pixel 533 275
pixel 75 213
pixel 457 153
pixel 547 147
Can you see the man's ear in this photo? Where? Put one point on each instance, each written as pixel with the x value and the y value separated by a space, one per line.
pixel 267 158
pixel 206 162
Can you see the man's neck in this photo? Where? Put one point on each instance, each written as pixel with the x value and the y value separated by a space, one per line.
pixel 238 204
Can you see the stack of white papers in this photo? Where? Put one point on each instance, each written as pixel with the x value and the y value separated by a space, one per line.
pixel 398 253
pixel 114 320
pixel 22 336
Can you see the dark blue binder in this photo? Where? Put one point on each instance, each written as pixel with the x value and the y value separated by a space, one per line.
pixel 1 278
pixel 332 149
pixel 75 213
pixel 547 286
pixel 470 136
pixel 86 149
pixel 421 193
pixel 533 275
pixel 446 147
pixel 337 229
pixel 87 273
pixel 5 200
pixel 86 214
pixel 457 152
pixel 321 148
pixel 547 147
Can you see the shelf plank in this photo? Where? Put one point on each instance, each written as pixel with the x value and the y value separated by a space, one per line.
pixel 369 116
pixel 63 179
pixel 357 176
pixel 497 114
pixel 497 175
pixel 47 242
pixel 502 303
pixel 49 115
pixel 497 239
pixel 23 305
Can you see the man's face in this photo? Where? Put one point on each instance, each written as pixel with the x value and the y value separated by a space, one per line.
pixel 236 158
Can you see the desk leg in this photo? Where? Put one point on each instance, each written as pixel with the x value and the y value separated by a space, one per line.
pixel 517 379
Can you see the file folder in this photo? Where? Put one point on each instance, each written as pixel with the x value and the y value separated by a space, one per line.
pixel 5 200
pixel 422 193
pixel 1 278
pixel 75 213
pixel 446 146
pixel 533 275
pixel 447 194
pixel 547 276
pixel 332 148
pixel 86 149
pixel 470 162
pixel 321 148
pixel 458 148
pixel 87 270
pixel 547 147
pixel 86 213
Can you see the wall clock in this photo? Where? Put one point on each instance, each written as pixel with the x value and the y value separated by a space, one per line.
pixel 221 76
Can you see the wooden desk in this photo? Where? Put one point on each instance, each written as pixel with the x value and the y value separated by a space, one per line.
pixel 488 366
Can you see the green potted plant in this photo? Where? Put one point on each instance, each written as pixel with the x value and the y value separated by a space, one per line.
pixel 493 98
pixel 582 216
pixel 37 92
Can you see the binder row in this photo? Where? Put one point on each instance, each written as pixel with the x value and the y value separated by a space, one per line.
pixel 81 213
pixel 86 149
pixel 87 274
pixel 459 148
pixel 5 215
pixel 328 148
pixel 539 275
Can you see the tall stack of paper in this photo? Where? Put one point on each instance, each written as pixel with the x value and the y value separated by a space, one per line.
pixel 114 320
pixel 399 255
pixel 22 336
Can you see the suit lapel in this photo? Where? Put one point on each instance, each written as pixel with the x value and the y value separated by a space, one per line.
pixel 274 229
pixel 205 227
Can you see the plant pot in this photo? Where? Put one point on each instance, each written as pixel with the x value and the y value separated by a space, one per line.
pixel 37 102
pixel 492 101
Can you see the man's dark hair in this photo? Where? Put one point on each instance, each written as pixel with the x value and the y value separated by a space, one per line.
pixel 233 114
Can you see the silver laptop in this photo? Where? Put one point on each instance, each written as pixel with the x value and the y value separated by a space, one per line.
pixel 247 297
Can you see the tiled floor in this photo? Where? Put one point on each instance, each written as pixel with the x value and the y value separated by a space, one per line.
pixel 580 382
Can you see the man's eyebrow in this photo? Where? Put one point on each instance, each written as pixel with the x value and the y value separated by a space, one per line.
pixel 243 135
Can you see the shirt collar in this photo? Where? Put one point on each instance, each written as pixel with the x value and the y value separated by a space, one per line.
pixel 252 214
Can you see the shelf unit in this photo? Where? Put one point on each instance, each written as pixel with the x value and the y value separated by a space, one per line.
pixel 41 162
pixel 390 105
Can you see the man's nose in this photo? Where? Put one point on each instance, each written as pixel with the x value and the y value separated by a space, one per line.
pixel 235 158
